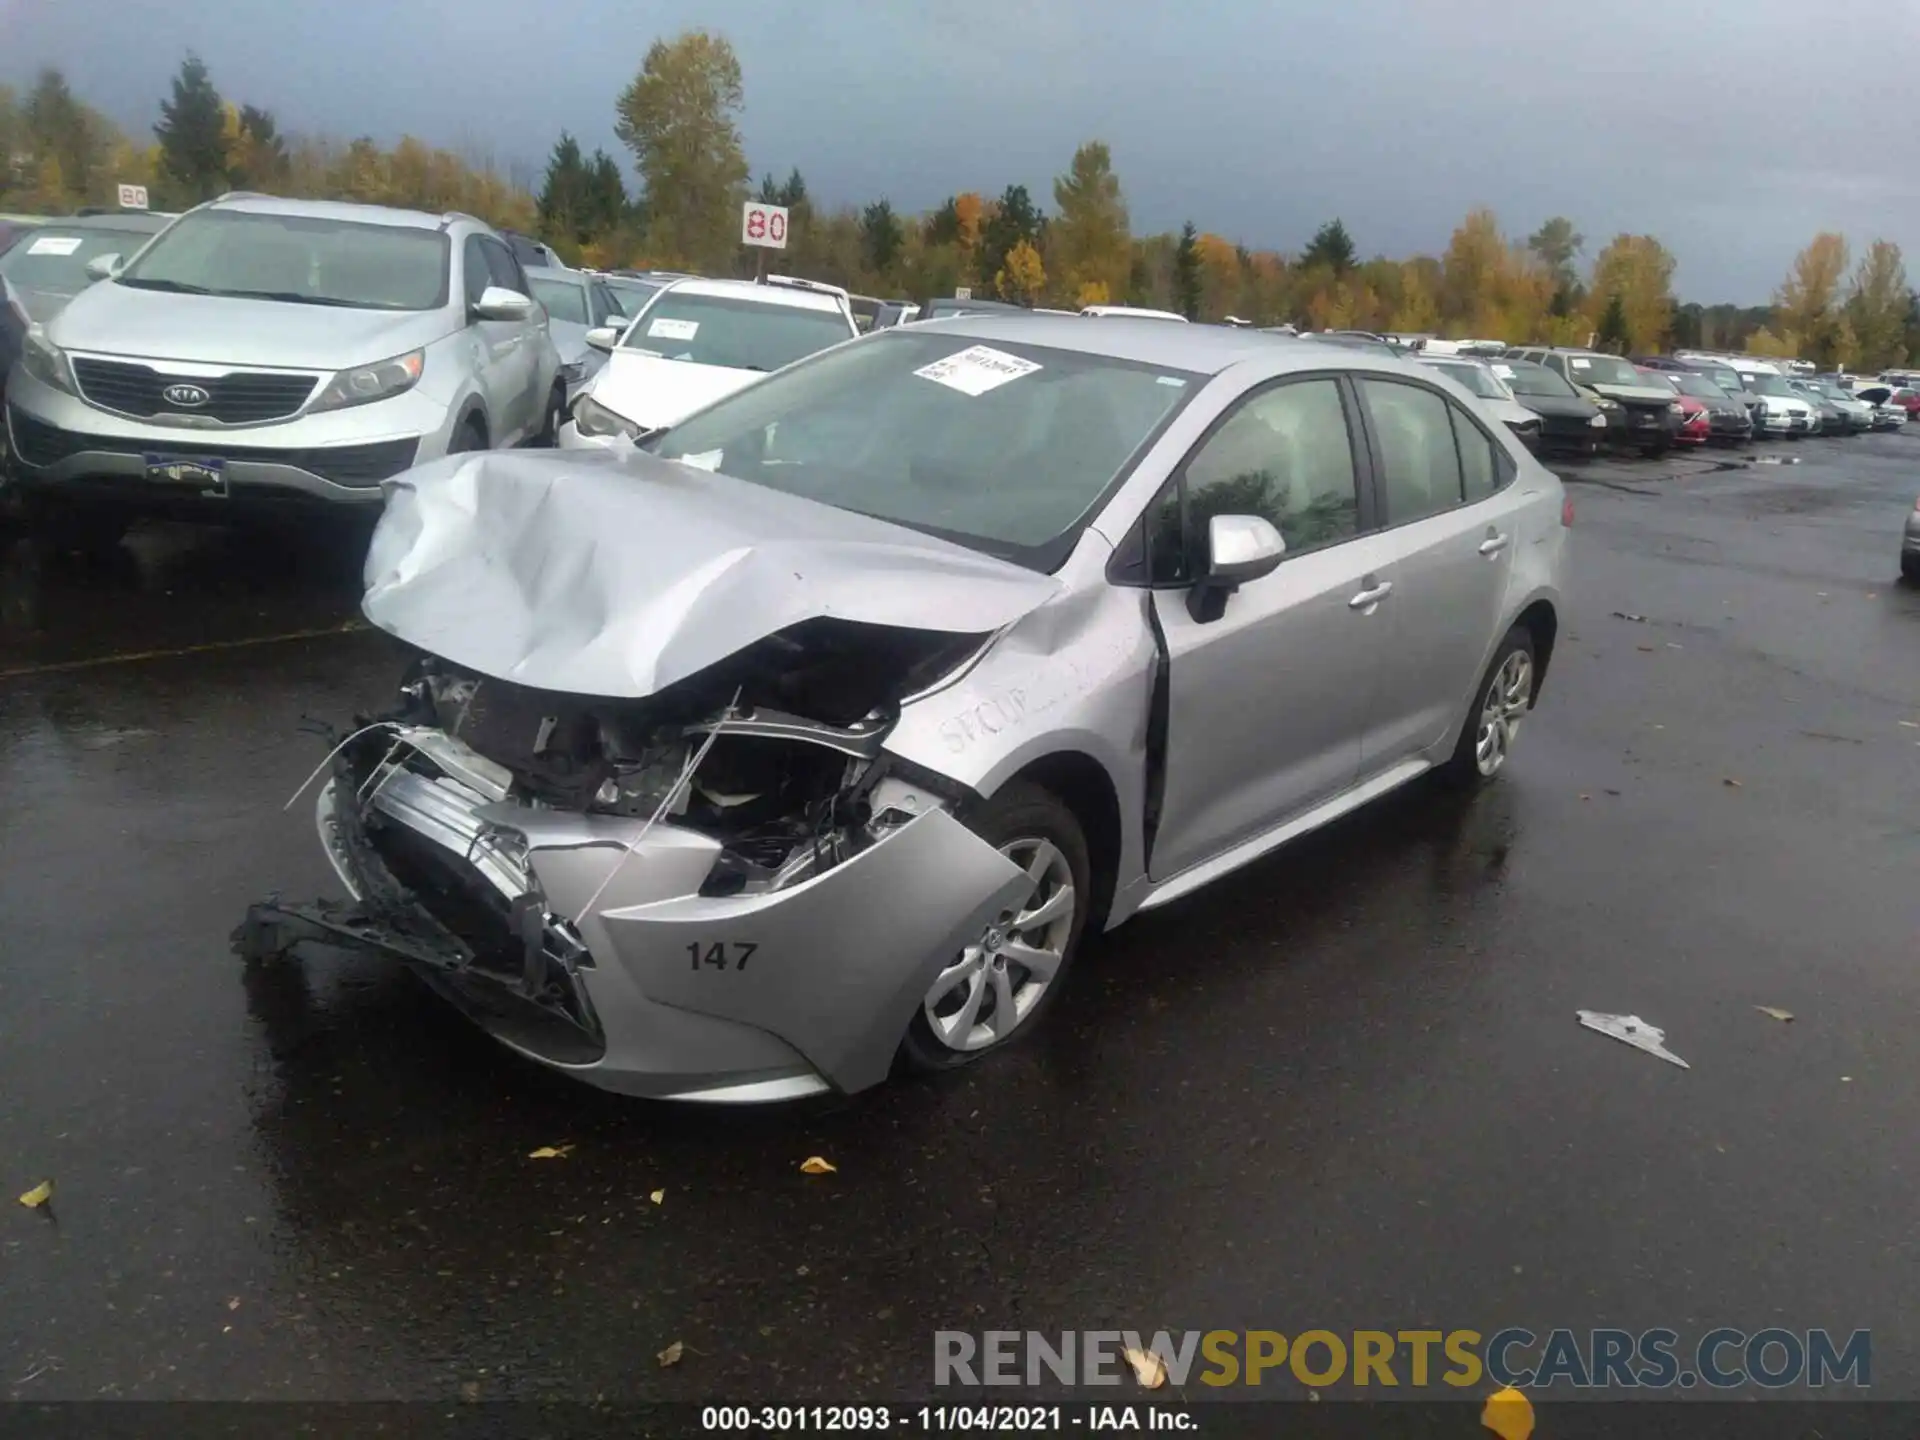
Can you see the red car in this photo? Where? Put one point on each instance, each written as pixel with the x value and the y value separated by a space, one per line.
pixel 1696 422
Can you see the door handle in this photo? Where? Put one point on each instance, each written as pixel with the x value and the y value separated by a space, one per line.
pixel 1493 544
pixel 1369 598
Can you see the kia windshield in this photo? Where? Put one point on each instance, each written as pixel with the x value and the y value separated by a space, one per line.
pixel 296 259
pixel 1005 447
pixel 565 300
pixel 732 332
pixel 1697 386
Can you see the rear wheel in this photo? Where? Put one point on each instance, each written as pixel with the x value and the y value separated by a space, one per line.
pixel 998 986
pixel 1502 701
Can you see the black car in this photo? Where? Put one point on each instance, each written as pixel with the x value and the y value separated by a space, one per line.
pixel 946 309
pixel 1727 419
pixel 1569 424
pixel 1725 376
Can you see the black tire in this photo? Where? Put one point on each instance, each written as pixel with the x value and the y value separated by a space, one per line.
pixel 1910 569
pixel 1463 768
pixel 549 435
pixel 1018 815
pixel 471 435
pixel 1653 452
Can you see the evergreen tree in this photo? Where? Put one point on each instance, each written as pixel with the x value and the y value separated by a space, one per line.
pixel 192 133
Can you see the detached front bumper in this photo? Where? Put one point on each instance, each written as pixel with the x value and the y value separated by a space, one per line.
pixel 584 941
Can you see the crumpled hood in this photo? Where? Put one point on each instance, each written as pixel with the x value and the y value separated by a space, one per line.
pixel 655 392
pixel 600 573
pixel 1632 394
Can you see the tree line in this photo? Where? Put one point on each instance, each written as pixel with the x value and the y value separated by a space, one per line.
pixel 679 121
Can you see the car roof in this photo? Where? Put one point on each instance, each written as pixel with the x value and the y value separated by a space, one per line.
pixel 792 297
pixel 342 210
pixel 1200 349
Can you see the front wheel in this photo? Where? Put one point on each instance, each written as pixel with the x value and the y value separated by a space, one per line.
pixel 1001 982
pixel 1501 703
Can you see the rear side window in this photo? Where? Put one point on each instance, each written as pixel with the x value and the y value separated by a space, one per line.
pixel 1479 466
pixel 1419 464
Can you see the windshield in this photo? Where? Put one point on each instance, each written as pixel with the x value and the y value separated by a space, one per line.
pixel 55 259
pixel 1727 380
pixel 1603 370
pixel 298 259
pixel 1832 391
pixel 1523 377
pixel 1004 447
pixel 1769 385
pixel 1697 386
pixel 731 332
pixel 564 299
pixel 1476 378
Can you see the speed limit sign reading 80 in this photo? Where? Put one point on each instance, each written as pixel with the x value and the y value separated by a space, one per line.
pixel 763 225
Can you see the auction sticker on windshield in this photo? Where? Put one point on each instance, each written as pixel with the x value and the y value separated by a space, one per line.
pixel 54 245
pixel 666 329
pixel 977 370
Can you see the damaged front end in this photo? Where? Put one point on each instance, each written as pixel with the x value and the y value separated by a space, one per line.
pixel 725 890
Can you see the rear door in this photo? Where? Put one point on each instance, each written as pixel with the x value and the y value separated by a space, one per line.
pixel 1449 515
pixel 1267 701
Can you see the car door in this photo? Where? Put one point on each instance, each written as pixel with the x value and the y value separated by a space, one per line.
pixel 1449 517
pixel 495 343
pixel 524 383
pixel 1266 702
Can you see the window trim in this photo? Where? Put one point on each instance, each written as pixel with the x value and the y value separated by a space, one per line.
pixel 1129 565
pixel 1505 468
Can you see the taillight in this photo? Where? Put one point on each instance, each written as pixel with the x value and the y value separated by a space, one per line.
pixel 1566 509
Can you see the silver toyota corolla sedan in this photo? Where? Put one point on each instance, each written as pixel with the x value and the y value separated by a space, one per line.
pixel 817 734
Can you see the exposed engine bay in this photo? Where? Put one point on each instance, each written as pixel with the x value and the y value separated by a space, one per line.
pixel 774 752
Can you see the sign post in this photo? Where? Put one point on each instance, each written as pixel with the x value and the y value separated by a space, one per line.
pixel 133 197
pixel 765 228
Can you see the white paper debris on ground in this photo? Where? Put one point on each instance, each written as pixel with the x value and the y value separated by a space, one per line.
pixel 1634 1031
pixel 1776 1012
pixel 976 370
pixel 817 1165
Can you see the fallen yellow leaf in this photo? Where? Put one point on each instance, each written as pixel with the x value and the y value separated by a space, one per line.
pixel 1148 1368
pixel 659 1197
pixel 815 1165
pixel 1509 1414
pixel 671 1355
pixel 550 1152
pixel 1775 1011
pixel 38 1196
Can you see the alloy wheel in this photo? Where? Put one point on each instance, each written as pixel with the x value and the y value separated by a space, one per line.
pixel 1505 705
pixel 995 983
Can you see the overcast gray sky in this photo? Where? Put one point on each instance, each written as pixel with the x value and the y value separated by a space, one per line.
pixel 1733 131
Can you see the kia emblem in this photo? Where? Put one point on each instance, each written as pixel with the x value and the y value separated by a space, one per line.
pixel 186 397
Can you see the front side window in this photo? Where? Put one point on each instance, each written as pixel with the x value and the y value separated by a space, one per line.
pixel 732 332
pixel 1284 455
pixel 1419 466
pixel 1479 465
pixel 297 260
pixel 475 276
pixel 502 267
pixel 1005 447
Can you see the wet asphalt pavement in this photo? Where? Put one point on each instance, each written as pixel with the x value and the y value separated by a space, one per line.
pixel 1342 1089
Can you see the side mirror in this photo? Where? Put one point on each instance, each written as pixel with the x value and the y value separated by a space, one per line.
pixel 103 267
pixel 1240 548
pixel 604 338
pixel 496 302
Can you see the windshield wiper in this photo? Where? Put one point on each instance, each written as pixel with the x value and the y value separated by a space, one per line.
pixel 177 287
pixel 290 298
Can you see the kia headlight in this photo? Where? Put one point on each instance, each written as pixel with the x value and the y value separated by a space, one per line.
pixel 593 419
pixel 364 384
pixel 1607 405
pixel 45 361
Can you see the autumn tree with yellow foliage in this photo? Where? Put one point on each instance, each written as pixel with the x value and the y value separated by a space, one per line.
pixel 1087 241
pixel 1638 270
pixel 1022 278
pixel 1808 305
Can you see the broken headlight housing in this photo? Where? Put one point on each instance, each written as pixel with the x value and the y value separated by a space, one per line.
pixel 593 419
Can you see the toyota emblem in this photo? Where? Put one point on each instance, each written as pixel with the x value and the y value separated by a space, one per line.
pixel 186 397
